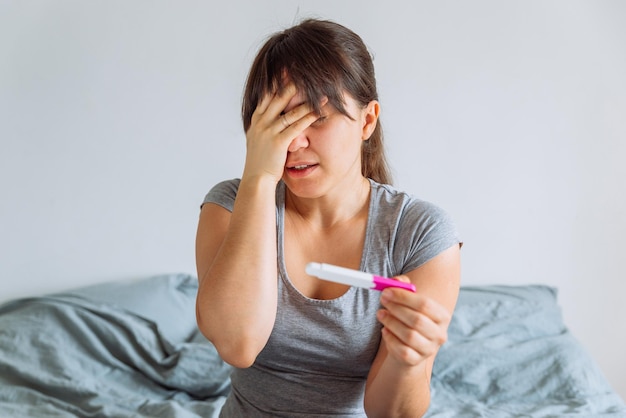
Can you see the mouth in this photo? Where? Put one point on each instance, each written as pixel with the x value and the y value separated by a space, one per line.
pixel 300 170
pixel 300 167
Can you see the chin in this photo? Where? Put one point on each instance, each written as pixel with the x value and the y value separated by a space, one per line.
pixel 303 189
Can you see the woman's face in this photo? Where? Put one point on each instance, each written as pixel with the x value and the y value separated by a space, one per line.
pixel 327 154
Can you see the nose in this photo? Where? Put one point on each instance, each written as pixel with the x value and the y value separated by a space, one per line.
pixel 300 141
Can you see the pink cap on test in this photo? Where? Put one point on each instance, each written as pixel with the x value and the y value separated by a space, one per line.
pixel 381 283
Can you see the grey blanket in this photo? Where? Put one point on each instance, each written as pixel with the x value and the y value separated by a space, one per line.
pixel 132 350
pixel 509 354
pixel 70 356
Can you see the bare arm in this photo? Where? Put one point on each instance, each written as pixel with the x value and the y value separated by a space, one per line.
pixel 236 261
pixel 236 253
pixel 415 326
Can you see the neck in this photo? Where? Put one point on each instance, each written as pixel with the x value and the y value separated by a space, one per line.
pixel 340 205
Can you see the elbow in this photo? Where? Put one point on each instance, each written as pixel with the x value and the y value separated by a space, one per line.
pixel 375 408
pixel 417 413
pixel 239 350
pixel 237 358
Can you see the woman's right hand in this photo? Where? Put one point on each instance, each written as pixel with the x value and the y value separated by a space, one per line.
pixel 271 131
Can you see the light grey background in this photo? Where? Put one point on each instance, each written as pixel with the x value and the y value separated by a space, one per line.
pixel 117 116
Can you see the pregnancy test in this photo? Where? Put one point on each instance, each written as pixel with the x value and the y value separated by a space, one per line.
pixel 354 277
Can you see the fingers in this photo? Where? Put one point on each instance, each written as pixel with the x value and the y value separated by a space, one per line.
pixel 414 326
pixel 272 130
pixel 270 112
pixel 404 304
pixel 401 351
pixel 264 103
pixel 301 116
pixel 279 101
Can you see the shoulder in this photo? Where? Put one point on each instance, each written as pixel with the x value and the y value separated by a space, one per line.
pixel 391 202
pixel 223 193
pixel 416 229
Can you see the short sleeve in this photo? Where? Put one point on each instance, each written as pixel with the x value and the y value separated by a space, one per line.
pixel 223 194
pixel 406 232
pixel 425 230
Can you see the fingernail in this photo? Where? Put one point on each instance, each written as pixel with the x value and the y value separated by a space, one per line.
pixel 381 314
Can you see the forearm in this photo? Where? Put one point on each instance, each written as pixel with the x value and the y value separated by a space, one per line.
pixel 414 329
pixel 236 304
pixel 398 390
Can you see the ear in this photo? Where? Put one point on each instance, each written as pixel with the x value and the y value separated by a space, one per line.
pixel 370 119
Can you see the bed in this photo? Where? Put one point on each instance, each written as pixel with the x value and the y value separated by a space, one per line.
pixel 131 349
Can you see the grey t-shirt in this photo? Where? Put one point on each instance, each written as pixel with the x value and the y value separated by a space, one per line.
pixel 317 358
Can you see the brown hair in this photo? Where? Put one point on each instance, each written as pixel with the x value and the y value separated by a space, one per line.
pixel 323 59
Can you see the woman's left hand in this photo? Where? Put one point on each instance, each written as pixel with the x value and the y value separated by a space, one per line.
pixel 415 326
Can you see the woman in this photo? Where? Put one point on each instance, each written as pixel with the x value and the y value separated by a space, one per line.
pixel 315 188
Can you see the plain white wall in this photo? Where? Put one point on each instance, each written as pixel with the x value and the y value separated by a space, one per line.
pixel 116 117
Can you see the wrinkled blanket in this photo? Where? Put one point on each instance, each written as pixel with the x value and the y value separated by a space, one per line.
pixel 509 354
pixel 69 356
pixel 132 350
